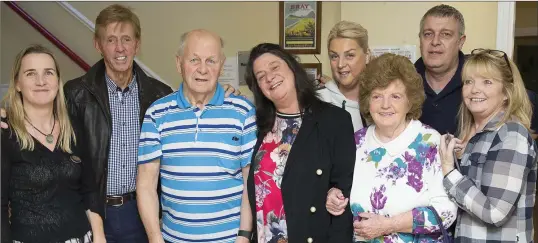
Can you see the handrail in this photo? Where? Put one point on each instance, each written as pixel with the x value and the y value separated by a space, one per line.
pixel 23 14
pixel 88 23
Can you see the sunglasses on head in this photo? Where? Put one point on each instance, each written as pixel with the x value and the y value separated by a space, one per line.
pixel 495 53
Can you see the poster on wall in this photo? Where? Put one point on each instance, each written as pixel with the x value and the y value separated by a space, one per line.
pixel 312 71
pixel 409 51
pixel 300 27
pixel 230 72
pixel 242 58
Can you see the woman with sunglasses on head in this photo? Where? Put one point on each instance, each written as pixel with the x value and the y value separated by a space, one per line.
pixel 494 183
pixel 47 190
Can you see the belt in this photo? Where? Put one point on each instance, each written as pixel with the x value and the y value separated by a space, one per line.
pixel 120 199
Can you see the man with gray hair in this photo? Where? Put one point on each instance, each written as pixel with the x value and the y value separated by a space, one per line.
pixel 201 143
pixel 442 35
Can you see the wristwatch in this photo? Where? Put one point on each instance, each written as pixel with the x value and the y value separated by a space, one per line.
pixel 246 234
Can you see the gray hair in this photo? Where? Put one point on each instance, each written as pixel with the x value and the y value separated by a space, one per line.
pixel 184 36
pixel 444 11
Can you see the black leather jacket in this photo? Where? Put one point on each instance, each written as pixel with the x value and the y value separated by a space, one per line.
pixel 89 110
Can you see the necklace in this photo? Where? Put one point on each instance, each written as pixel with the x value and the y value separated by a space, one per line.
pixel 48 137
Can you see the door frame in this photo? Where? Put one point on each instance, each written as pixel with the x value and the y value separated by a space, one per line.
pixel 506 21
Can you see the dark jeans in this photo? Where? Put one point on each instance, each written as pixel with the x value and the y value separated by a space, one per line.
pixel 123 224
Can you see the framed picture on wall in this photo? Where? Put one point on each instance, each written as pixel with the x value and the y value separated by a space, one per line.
pixel 312 71
pixel 300 27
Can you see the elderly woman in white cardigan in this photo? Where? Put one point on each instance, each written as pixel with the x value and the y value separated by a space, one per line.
pixel 398 182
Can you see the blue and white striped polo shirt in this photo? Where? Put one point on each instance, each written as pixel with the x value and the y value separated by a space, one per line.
pixel 201 155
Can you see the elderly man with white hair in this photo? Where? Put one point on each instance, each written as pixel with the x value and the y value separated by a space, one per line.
pixel 198 143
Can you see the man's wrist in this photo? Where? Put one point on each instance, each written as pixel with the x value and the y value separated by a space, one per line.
pixel 155 237
pixel 244 234
pixel 241 239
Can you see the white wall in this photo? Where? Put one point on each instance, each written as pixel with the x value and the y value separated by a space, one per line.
pixel 241 24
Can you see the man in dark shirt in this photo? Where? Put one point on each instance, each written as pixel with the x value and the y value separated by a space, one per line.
pixel 442 35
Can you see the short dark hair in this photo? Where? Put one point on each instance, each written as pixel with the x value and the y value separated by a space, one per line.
pixel 265 109
pixel 444 11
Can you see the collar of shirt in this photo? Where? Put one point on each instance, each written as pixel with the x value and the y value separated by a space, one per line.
pixel 455 82
pixel 112 85
pixel 217 99
pixel 493 123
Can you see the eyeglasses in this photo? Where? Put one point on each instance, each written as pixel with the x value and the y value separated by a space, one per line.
pixel 495 53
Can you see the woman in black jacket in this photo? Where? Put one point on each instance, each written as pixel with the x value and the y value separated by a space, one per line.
pixel 47 190
pixel 305 146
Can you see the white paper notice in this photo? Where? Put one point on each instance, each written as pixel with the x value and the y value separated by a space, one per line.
pixel 408 51
pixel 230 73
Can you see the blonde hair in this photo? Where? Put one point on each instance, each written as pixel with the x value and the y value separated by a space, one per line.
pixel 383 71
pixel 117 13
pixel 489 64
pixel 350 30
pixel 14 106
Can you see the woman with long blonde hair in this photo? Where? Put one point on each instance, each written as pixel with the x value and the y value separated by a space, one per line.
pixel 46 187
pixel 494 183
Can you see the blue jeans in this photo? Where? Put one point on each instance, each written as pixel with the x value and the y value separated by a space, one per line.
pixel 123 224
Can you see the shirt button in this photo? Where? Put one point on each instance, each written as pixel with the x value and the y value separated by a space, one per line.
pixel 319 172
pixel 313 209
pixel 309 240
pixel 435 104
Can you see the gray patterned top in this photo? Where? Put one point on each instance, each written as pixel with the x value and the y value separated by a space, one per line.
pixel 496 185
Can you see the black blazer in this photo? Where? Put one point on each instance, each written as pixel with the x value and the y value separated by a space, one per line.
pixel 322 156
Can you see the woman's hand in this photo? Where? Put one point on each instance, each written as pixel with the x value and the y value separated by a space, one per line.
pixel 228 90
pixel 372 226
pixel 323 79
pixel 336 202
pixel 449 144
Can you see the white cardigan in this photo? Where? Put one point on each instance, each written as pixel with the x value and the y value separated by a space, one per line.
pixel 400 176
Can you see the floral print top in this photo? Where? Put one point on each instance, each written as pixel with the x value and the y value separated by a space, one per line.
pixel 270 163
pixel 400 176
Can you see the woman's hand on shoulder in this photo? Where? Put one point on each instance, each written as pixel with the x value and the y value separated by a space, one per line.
pixel 3 116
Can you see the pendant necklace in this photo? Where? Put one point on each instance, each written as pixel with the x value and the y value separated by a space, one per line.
pixel 48 137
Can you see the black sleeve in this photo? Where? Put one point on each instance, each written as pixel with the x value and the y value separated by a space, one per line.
pixel 6 174
pixel 88 186
pixel 343 165
pixel 88 182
